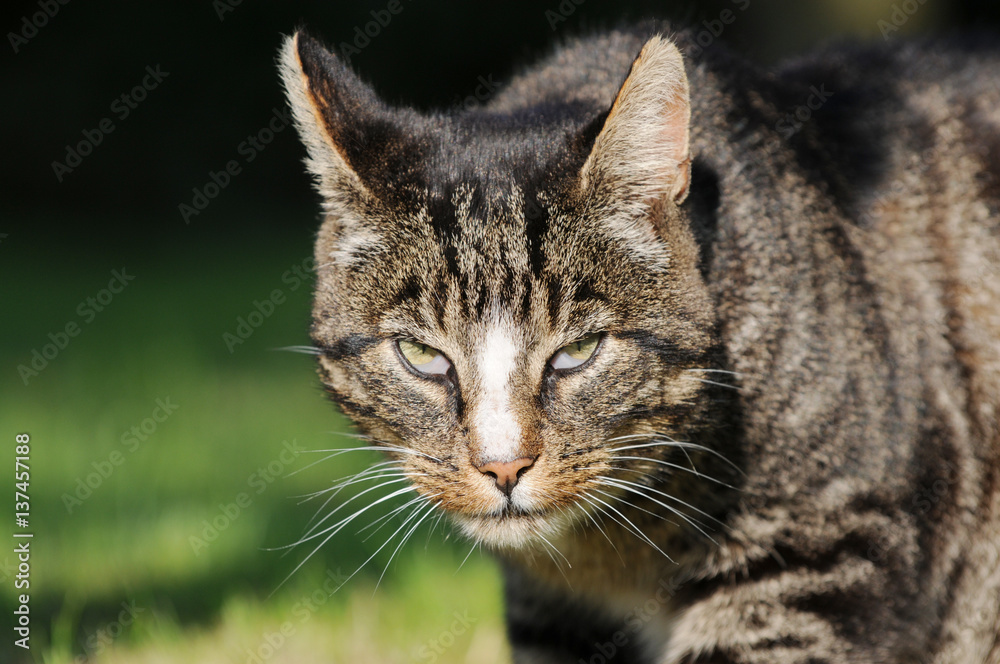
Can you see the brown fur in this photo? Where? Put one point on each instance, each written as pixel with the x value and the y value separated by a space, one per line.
pixel 802 355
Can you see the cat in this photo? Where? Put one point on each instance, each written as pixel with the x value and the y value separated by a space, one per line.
pixel 715 377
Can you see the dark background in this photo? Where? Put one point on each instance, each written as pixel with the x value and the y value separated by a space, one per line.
pixel 222 86
pixel 118 209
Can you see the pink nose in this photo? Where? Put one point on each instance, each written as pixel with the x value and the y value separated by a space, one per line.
pixel 506 474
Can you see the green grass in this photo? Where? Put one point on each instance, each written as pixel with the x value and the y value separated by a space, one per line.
pixel 131 539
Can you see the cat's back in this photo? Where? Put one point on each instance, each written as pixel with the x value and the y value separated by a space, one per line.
pixel 905 143
pixel 856 262
pixel 847 206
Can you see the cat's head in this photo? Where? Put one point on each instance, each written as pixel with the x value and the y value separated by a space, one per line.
pixel 511 299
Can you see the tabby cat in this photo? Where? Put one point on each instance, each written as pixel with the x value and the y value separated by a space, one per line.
pixel 712 390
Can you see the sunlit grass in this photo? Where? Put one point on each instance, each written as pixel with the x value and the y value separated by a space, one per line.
pixel 426 615
pixel 188 522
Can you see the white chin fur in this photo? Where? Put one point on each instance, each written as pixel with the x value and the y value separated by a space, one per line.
pixel 518 532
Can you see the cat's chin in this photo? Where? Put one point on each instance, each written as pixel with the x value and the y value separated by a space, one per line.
pixel 513 531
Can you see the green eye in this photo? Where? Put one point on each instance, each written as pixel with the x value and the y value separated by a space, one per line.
pixel 422 357
pixel 574 354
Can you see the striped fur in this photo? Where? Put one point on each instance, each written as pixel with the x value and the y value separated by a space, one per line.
pixel 785 448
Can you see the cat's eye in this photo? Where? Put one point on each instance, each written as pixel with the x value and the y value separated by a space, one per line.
pixel 575 354
pixel 423 358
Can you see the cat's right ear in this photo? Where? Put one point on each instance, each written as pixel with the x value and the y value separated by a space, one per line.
pixel 330 105
pixel 642 153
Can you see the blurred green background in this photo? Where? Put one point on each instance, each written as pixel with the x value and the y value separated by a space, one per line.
pixel 158 544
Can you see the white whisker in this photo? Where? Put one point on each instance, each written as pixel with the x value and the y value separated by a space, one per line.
pixel 430 509
pixel 370 471
pixel 632 526
pixel 672 465
pixel 593 518
pixel 475 545
pixel 333 530
pixel 554 548
pixel 712 382
pixel 308 350
pixel 309 534
pixel 673 510
pixel 677 444
pixel 385 517
pixel 722 371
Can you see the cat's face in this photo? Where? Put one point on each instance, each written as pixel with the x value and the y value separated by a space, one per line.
pixel 510 303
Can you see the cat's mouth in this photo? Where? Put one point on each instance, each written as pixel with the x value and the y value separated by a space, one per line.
pixel 512 527
pixel 510 511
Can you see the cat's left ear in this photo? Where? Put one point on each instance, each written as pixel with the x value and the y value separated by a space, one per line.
pixel 344 125
pixel 642 153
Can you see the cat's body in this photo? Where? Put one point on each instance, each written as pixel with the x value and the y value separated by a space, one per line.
pixel 797 364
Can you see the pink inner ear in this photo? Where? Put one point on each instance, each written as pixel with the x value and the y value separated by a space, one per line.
pixel 674 135
pixel 645 137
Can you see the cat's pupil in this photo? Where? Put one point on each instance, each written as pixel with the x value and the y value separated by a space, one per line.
pixel 417 353
pixel 582 349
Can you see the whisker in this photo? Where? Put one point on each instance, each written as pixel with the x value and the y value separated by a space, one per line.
pixel 308 350
pixel 673 510
pixel 430 509
pixel 309 534
pixel 712 382
pixel 600 529
pixel 619 499
pixel 632 436
pixel 333 530
pixel 668 496
pixel 675 466
pixel 635 529
pixel 384 466
pixel 556 549
pixel 381 447
pixel 329 499
pixel 430 532
pixel 385 517
pixel 356 478
pixel 475 545
pixel 678 444
pixel 386 543
pixel 722 371
pixel 549 550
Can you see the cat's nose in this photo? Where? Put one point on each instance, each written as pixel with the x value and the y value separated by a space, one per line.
pixel 506 474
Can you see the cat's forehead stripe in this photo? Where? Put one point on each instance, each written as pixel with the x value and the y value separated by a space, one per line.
pixel 489 255
pixel 495 423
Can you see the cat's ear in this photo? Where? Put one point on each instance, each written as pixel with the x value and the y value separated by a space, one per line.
pixel 332 108
pixel 642 153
